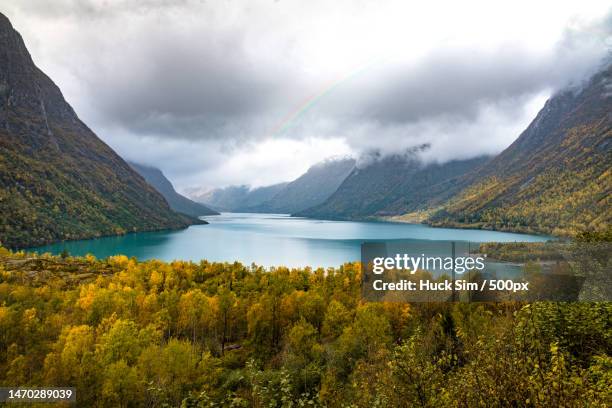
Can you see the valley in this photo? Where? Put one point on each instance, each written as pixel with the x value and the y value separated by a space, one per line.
pixel 556 178
pixel 240 212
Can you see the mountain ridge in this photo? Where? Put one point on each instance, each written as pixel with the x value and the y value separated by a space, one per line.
pixel 58 180
pixel 391 186
pixel 310 189
pixel 238 198
pixel 179 203
pixel 554 178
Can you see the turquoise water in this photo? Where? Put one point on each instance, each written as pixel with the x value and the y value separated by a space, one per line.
pixel 271 239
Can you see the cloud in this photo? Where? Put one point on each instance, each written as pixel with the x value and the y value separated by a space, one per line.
pixel 205 90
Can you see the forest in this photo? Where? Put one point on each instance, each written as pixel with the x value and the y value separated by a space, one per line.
pixel 126 333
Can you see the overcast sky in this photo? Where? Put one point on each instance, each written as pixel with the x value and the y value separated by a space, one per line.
pixel 220 92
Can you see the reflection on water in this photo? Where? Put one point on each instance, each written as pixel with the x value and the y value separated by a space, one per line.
pixel 272 239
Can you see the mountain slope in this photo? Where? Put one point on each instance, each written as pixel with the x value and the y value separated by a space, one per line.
pixel 393 186
pixel 260 195
pixel 177 202
pixel 555 178
pixel 238 198
pixel 57 179
pixel 310 189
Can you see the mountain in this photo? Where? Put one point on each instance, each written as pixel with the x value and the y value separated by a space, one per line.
pixel 238 198
pixel 392 186
pixel 260 195
pixel 58 180
pixel 555 178
pixel 310 189
pixel 177 202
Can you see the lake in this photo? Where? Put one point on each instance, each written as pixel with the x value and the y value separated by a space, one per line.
pixel 272 239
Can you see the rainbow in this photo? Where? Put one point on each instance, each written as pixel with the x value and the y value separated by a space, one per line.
pixel 290 119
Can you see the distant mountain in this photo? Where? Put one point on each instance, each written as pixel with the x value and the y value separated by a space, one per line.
pixel 310 189
pixel 57 179
pixel 391 186
pixel 257 196
pixel 221 199
pixel 177 202
pixel 555 178
pixel 238 198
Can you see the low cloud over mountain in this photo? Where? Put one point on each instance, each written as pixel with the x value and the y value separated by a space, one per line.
pixel 255 93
